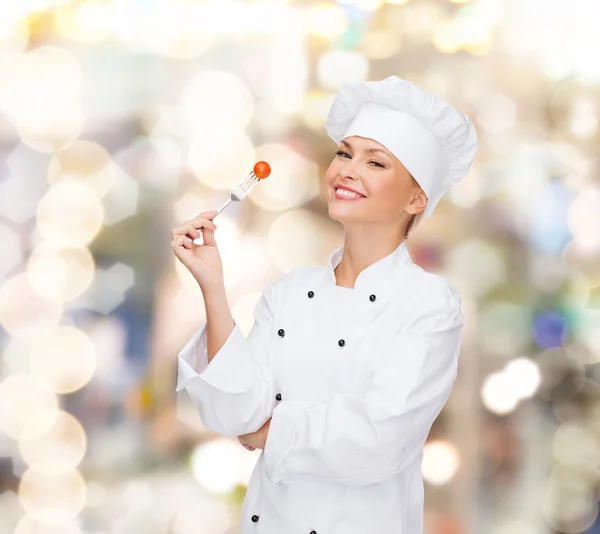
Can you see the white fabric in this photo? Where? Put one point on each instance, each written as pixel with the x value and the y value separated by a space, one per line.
pixel 434 141
pixel 344 450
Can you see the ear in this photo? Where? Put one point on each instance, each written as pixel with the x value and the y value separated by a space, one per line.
pixel 418 202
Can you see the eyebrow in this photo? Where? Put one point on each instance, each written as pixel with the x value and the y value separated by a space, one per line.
pixel 368 149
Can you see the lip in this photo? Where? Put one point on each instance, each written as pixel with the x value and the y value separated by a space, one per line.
pixel 339 186
pixel 341 197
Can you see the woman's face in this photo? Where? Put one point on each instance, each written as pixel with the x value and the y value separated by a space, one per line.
pixel 368 167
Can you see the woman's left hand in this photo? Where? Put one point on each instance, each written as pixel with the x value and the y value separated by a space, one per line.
pixel 257 439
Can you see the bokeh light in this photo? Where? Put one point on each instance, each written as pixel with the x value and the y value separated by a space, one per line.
pixel 27 396
pixel 341 66
pixel 23 312
pixel 440 462
pixel 216 465
pixel 28 525
pixel 70 214
pixel 83 162
pixel 65 358
pixel 499 394
pixel 51 493
pixel 64 442
pixel 293 179
pixel 58 273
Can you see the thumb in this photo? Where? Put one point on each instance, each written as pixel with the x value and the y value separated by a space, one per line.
pixel 208 236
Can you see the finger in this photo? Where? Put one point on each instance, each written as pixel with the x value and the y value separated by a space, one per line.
pixel 193 225
pixel 208 214
pixel 179 230
pixel 208 229
pixel 202 222
pixel 203 219
pixel 192 232
pixel 182 241
pixel 185 242
pixel 185 229
pixel 209 237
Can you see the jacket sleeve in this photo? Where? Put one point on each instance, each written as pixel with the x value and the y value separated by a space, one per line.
pixel 359 439
pixel 234 393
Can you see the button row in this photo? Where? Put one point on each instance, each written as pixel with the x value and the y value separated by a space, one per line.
pixel 341 343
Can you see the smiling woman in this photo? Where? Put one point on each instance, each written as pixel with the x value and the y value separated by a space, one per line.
pixel 341 403
pixel 391 201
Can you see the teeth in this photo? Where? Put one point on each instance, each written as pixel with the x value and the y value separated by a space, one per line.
pixel 347 193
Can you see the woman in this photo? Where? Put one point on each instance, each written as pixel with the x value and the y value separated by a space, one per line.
pixel 348 364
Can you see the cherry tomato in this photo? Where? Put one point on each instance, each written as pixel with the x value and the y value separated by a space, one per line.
pixel 262 169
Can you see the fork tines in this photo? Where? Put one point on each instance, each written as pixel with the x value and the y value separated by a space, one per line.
pixel 249 182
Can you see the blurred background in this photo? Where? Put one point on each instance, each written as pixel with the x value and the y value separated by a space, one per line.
pixel 120 119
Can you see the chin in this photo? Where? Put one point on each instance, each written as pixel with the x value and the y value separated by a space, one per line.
pixel 345 214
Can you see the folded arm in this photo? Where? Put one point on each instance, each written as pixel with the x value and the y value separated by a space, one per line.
pixel 234 393
pixel 359 439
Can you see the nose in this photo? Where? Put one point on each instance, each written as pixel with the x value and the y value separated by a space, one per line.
pixel 350 170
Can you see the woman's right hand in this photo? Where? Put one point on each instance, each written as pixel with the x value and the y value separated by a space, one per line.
pixel 203 261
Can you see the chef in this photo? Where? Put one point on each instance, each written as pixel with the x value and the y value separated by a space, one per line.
pixel 348 364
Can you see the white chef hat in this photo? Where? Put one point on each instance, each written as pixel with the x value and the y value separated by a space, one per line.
pixel 434 141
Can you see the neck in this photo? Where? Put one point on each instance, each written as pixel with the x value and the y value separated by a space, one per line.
pixel 360 251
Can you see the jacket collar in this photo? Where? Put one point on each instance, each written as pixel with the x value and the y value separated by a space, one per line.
pixel 375 276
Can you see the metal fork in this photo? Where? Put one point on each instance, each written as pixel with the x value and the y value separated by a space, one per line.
pixel 239 192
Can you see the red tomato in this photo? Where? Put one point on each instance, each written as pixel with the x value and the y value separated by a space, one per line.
pixel 262 169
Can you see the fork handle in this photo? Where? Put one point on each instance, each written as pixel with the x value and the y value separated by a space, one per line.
pixel 226 203
pixel 200 240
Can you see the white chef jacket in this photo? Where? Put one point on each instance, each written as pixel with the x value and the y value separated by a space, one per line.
pixel 353 379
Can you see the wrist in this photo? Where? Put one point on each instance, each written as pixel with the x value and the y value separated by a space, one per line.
pixel 214 287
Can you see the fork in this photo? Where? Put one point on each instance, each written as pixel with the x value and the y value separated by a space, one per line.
pixel 239 192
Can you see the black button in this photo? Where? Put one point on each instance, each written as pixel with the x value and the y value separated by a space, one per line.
pixel 311 294
pixel 281 332
pixel 341 342
pixel 255 518
pixel 313 532
pixel 278 396
pixel 372 298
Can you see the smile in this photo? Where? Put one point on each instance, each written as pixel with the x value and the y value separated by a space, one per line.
pixel 343 194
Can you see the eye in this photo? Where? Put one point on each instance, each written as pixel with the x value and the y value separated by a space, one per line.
pixel 342 153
